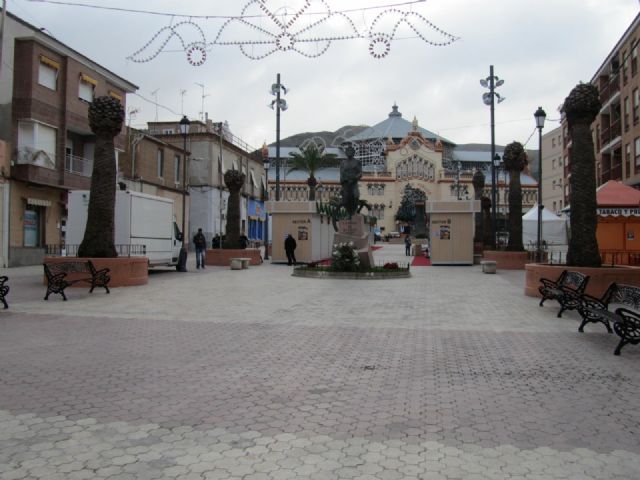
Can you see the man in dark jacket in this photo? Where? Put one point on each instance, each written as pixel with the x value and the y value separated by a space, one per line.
pixel 201 245
pixel 290 247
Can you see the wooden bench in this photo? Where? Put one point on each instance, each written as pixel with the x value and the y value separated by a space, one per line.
pixel 240 263
pixel 625 319
pixel 567 290
pixel 81 270
pixel 4 290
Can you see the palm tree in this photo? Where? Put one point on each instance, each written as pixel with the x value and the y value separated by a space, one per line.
pixel 581 107
pixel 478 187
pixel 310 160
pixel 515 159
pixel 105 118
pixel 234 180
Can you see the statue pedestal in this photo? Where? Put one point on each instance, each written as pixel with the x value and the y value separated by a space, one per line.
pixel 353 230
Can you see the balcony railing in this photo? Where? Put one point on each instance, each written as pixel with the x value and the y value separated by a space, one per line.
pixel 610 88
pixel 78 165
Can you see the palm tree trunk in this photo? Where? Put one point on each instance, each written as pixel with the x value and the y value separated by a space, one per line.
pixel 515 212
pixel 98 241
pixel 583 245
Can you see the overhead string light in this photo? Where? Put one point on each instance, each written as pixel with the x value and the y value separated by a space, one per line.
pixel 284 33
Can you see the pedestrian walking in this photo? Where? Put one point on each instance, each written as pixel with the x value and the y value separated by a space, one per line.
pixel 407 245
pixel 290 247
pixel 201 245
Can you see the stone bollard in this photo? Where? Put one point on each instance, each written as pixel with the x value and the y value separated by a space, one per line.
pixel 488 266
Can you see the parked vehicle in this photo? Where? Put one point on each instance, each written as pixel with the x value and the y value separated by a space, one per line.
pixel 144 225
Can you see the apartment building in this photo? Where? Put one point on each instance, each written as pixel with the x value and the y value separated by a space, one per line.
pixel 616 129
pixel 553 178
pixel 45 91
pixel 214 150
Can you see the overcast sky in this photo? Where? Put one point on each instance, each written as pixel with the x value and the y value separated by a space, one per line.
pixel 540 48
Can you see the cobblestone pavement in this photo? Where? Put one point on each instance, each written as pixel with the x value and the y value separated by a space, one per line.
pixel 257 375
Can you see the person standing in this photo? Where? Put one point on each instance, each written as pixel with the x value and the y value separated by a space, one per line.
pixel 407 245
pixel 215 242
pixel 290 247
pixel 201 245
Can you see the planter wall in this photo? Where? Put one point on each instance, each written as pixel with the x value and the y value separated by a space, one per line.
pixel 600 278
pixel 507 260
pixel 124 271
pixel 221 257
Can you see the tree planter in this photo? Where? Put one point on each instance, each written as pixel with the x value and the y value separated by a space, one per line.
pixel 124 271
pixel 221 257
pixel 599 278
pixel 507 260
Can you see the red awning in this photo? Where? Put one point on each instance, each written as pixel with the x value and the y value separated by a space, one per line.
pixel 617 194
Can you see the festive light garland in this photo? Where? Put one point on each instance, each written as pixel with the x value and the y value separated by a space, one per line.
pixel 257 41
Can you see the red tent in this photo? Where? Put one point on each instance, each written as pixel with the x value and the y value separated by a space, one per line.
pixel 617 194
pixel 618 223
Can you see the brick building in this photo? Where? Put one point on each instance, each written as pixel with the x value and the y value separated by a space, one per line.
pixel 45 91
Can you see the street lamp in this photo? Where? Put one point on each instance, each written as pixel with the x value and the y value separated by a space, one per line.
pixel 279 104
pixel 492 82
pixel 266 163
pixel 182 260
pixel 495 186
pixel 540 117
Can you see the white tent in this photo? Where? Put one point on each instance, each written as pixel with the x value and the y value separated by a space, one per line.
pixel 554 228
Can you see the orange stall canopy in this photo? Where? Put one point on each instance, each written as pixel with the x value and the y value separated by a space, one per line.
pixel 618 231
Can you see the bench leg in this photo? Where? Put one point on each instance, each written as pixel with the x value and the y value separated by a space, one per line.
pixel 6 305
pixel 622 343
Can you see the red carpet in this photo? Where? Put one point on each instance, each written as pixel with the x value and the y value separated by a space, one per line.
pixel 420 262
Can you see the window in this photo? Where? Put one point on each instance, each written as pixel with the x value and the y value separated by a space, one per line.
pixel 553 164
pixel 553 143
pixel 637 152
pixel 48 73
pixel 634 57
pixel 86 88
pixel 627 110
pixel 167 131
pixel 627 160
pixel 160 163
pixel 636 105
pixel 555 207
pixel 625 67
pixel 36 144
pixel 176 173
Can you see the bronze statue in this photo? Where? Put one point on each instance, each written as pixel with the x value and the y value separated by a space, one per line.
pixel 350 173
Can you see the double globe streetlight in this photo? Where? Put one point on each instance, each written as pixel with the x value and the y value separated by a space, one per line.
pixel 279 104
pixel 492 82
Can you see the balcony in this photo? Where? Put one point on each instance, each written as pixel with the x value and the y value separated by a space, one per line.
pixel 609 88
pixel 78 165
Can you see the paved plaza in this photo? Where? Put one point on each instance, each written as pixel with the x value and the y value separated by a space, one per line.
pixel 257 375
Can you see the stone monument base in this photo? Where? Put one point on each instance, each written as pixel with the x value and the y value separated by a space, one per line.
pixel 353 230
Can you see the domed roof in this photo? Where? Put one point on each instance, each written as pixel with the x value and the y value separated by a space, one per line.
pixel 395 127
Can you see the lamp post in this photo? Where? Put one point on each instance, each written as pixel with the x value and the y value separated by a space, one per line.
pixel 492 82
pixel 540 117
pixel 182 260
pixel 279 104
pixel 219 125
pixel 266 163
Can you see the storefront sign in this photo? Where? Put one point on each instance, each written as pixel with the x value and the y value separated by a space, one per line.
pixel 624 212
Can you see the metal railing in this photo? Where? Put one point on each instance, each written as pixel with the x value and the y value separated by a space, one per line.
pixel 78 165
pixel 57 250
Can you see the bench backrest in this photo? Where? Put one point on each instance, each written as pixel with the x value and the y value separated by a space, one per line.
pixel 575 280
pixel 67 267
pixel 622 294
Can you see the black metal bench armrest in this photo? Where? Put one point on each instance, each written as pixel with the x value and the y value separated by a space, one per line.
pixel 549 283
pixel 589 301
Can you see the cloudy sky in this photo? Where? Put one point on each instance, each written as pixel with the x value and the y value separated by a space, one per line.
pixel 540 48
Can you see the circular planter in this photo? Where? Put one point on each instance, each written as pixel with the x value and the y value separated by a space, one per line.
pixel 302 272
pixel 124 271
pixel 599 278
pixel 507 260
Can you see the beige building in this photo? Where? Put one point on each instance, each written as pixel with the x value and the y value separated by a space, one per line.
pixel 553 178
pixel 397 154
